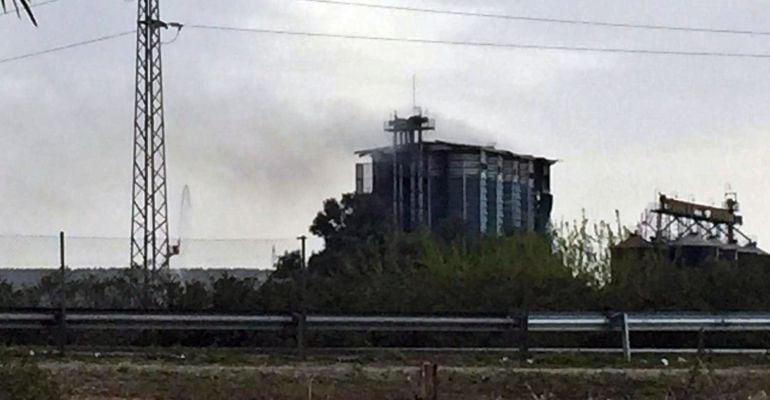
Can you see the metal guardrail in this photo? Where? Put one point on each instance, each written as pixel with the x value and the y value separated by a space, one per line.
pixel 537 322
pixel 624 323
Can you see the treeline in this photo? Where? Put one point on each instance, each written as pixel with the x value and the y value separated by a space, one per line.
pixel 367 267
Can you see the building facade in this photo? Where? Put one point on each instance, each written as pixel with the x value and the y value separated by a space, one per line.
pixel 425 183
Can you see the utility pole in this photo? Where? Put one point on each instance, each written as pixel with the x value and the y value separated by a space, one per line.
pixel 62 333
pixel 150 248
pixel 302 301
pixel 303 275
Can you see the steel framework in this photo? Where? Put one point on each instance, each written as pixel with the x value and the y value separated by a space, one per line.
pixel 149 226
pixel 409 169
pixel 671 219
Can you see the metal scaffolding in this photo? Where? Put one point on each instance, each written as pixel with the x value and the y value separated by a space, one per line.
pixel 672 219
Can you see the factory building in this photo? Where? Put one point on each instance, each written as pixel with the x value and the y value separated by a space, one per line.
pixel 689 234
pixel 426 183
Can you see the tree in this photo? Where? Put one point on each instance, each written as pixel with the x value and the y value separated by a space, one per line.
pixel 192 296
pixel 25 4
pixel 281 291
pixel 353 218
pixel 232 294
pixel 7 295
pixel 354 229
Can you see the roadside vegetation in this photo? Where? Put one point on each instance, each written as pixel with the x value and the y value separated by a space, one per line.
pixel 367 267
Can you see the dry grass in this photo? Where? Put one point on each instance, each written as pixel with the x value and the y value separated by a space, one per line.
pixel 128 380
pixel 216 374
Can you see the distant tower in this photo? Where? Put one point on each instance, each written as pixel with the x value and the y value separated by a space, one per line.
pixel 409 169
pixel 149 223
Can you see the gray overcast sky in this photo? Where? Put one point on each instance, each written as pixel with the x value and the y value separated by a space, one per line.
pixel 262 127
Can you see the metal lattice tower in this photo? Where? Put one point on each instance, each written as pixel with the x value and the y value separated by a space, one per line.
pixel 149 226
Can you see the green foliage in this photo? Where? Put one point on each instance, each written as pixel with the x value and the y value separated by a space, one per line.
pixel 7 294
pixel 448 271
pixel 367 267
pixel 281 292
pixel 192 296
pixel 500 275
pixel 353 219
pixel 585 248
pixel 653 282
pixel 232 294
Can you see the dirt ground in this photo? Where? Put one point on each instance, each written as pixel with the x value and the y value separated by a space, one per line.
pixel 143 379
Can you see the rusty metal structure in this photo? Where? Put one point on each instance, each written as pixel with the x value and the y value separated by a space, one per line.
pixel 673 219
pixel 427 183
pixel 690 233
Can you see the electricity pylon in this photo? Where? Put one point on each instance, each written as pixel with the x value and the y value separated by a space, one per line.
pixel 149 222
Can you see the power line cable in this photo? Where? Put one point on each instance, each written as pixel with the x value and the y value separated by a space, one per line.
pixel 65 47
pixel 14 236
pixel 178 27
pixel 523 46
pixel 543 19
